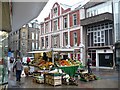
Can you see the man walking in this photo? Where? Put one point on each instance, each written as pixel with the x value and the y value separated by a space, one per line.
pixel 89 63
pixel 19 67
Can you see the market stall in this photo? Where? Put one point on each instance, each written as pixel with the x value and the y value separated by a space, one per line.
pixel 55 60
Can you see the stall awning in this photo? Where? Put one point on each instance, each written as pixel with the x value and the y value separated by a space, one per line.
pixel 54 50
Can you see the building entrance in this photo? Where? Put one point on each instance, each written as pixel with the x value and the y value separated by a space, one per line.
pixel 106 59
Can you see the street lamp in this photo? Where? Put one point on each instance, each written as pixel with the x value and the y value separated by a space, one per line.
pixel 81 46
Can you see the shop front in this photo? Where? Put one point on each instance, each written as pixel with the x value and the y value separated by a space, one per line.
pixel 104 58
pixel 3 57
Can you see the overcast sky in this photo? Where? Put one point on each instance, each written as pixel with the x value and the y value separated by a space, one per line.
pixel 45 12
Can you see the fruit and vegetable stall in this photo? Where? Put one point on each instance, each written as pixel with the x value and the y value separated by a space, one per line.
pixel 55 71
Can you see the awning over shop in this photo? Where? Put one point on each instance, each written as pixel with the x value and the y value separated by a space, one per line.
pixel 22 13
pixel 5 22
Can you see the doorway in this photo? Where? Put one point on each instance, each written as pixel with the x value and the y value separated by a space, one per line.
pixel 106 59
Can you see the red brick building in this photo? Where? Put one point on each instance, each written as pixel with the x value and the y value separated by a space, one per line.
pixel 61 29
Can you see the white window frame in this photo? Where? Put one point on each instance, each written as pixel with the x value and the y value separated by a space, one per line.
pixel 74 19
pixel 36 36
pixel 46 40
pixel 66 38
pixel 56 25
pixel 65 22
pixel 33 45
pixel 36 45
pixel 46 27
pixel 55 13
pixel 96 37
pixel 32 35
pixel 42 42
pixel 23 34
pixel 75 37
pixel 55 41
pixel 42 29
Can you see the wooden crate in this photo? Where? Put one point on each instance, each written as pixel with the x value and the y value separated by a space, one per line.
pixel 55 82
pixel 40 81
pixel 56 77
pixel 53 79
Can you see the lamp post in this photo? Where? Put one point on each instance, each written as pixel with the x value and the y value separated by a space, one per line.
pixel 81 46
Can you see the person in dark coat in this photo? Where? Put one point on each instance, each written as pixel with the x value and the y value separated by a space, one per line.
pixel 89 63
pixel 45 57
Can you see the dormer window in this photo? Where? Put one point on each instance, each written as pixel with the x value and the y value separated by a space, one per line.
pixel 55 11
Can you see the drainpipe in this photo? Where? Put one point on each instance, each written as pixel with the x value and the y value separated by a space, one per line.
pixel 113 33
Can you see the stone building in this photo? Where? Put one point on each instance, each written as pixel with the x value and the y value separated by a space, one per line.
pixel 24 40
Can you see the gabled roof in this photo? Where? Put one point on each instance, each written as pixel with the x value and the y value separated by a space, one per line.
pixel 64 6
pixel 81 4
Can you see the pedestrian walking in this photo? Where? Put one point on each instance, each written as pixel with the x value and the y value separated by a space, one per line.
pixel 89 63
pixel 18 67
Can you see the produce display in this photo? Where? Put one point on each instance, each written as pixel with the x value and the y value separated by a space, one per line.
pixel 68 62
pixel 88 77
pixel 42 64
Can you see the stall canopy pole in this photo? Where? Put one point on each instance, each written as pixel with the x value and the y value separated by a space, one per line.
pixel 52 56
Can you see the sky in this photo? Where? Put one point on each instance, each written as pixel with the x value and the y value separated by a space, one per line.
pixel 45 12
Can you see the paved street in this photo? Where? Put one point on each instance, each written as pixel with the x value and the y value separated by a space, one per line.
pixel 108 79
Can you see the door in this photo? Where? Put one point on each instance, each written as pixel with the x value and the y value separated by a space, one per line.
pixel 106 59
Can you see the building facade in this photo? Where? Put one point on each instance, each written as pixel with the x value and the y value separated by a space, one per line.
pixel 98 28
pixel 24 40
pixel 116 7
pixel 61 29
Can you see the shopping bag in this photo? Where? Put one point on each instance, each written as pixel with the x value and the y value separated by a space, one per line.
pixel 23 74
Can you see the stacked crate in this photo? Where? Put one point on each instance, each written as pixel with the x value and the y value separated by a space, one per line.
pixel 38 79
pixel 53 79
